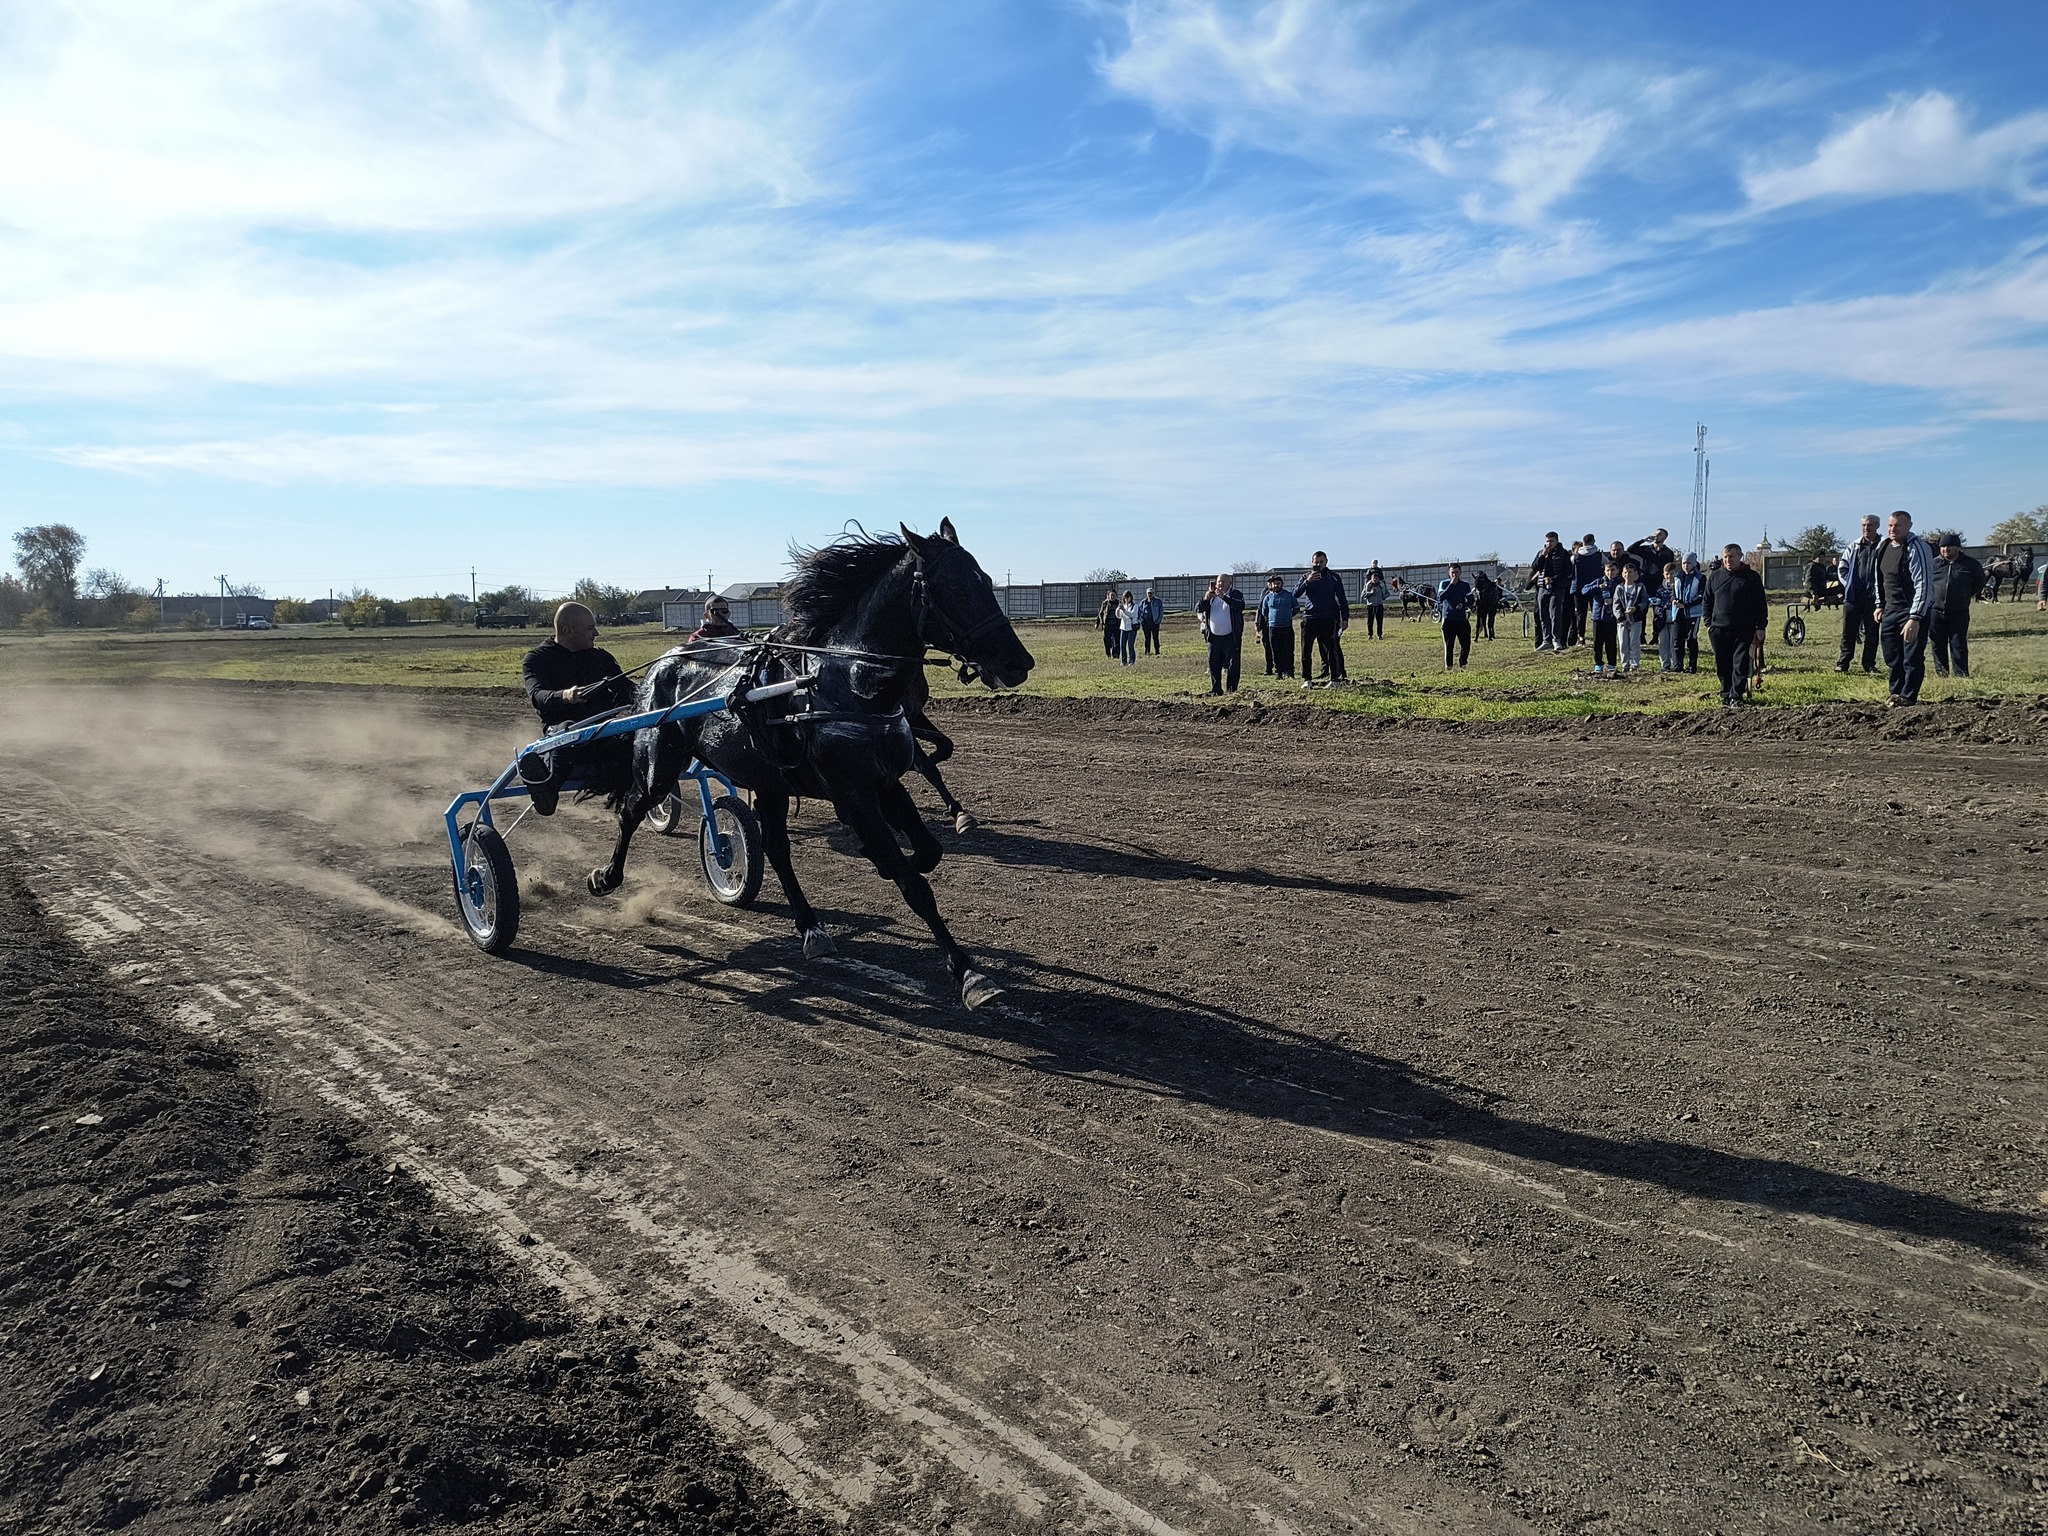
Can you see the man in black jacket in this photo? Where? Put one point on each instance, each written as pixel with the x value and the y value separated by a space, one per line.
pixel 1957 581
pixel 570 678
pixel 1588 566
pixel 1325 615
pixel 1737 614
pixel 1551 571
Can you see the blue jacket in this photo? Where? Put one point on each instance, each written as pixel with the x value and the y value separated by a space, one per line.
pixel 1601 591
pixel 1858 570
pixel 1276 610
pixel 1687 598
pixel 1322 597
pixel 1453 599
pixel 1151 610
pixel 1920 566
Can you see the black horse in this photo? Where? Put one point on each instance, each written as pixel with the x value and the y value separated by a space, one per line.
pixel 2017 569
pixel 864 609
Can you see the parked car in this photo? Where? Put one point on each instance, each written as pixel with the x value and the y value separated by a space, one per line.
pixel 257 623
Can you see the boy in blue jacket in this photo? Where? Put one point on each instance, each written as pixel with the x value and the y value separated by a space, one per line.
pixel 1276 627
pixel 1599 594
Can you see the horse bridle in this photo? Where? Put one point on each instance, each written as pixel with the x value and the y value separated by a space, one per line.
pixel 954 640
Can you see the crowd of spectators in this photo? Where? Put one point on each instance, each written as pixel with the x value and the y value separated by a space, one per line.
pixel 1897 596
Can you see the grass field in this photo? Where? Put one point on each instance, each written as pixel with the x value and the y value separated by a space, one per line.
pixel 1401 675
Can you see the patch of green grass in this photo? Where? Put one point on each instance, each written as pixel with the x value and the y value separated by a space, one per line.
pixel 1401 676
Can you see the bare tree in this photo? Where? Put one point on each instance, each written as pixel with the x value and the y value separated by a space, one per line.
pixel 1104 574
pixel 1249 567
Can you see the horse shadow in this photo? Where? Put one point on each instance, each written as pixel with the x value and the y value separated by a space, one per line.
pixel 1069 1023
pixel 1110 855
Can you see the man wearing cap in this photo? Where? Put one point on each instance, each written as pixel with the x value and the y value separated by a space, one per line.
pixel 1276 627
pixel 1859 599
pixel 569 678
pixel 1957 581
pixel 1902 575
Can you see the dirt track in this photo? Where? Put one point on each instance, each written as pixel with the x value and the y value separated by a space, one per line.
pixel 1388 1129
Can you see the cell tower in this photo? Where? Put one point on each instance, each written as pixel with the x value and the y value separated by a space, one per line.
pixel 1700 471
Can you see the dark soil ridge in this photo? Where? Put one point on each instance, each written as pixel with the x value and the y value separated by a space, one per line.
pixel 219 1309
pixel 2013 721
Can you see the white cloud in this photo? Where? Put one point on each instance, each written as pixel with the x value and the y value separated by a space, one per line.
pixel 121 116
pixel 1909 146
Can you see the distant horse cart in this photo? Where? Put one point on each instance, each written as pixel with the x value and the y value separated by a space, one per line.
pixel 2000 570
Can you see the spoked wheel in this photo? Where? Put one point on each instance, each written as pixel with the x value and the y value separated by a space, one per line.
pixel 1795 629
pixel 667 817
pixel 729 844
pixel 489 897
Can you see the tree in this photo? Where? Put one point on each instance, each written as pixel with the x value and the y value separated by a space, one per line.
pixel 15 602
pixel 47 557
pixel 290 610
pixel 1105 574
pixel 363 609
pixel 1817 542
pixel 607 602
pixel 510 599
pixel 1249 568
pixel 143 616
pixel 429 610
pixel 245 589
pixel 2021 528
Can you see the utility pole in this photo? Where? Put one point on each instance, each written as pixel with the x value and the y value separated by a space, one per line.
pixel 159 602
pixel 223 602
pixel 472 586
pixel 1699 490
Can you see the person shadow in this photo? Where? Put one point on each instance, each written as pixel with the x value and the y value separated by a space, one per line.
pixel 1063 1021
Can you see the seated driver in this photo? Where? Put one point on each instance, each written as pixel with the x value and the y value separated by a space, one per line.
pixel 570 678
pixel 718 624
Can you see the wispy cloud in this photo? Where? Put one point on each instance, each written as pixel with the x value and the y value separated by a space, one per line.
pixel 1910 145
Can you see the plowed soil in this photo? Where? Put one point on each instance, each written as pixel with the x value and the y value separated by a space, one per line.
pixel 1598 1127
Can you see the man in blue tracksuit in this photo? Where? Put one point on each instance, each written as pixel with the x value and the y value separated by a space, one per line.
pixel 1276 627
pixel 1859 599
pixel 1453 611
pixel 1903 576
pixel 1325 614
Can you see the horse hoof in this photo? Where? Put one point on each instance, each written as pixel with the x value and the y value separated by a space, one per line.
pixel 976 990
pixel 818 943
pixel 603 882
pixel 965 823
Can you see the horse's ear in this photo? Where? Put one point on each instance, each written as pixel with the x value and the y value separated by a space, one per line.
pixel 918 546
pixel 946 531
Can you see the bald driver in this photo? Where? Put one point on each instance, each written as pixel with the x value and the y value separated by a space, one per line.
pixel 568 678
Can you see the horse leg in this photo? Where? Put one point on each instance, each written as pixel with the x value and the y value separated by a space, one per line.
pixel 656 769
pixel 871 826
pixel 928 766
pixel 773 810
pixel 901 813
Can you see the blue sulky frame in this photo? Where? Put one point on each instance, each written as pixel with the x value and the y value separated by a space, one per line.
pixel 509 786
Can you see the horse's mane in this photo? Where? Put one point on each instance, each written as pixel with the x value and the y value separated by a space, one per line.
pixel 832 578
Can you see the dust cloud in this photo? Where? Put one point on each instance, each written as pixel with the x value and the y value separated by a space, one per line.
pixel 336 796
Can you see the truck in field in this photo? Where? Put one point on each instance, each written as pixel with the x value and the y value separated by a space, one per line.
pixel 503 619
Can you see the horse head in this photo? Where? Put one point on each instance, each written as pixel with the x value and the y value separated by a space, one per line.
pixel 957 610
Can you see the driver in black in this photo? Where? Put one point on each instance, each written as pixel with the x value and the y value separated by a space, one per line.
pixel 569 678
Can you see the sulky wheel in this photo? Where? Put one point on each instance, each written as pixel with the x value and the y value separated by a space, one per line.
pixel 489 898
pixel 729 844
pixel 1795 629
pixel 667 817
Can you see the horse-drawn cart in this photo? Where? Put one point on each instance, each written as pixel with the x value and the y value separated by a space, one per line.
pixel 728 833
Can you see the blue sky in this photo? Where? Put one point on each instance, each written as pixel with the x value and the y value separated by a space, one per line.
pixel 325 293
